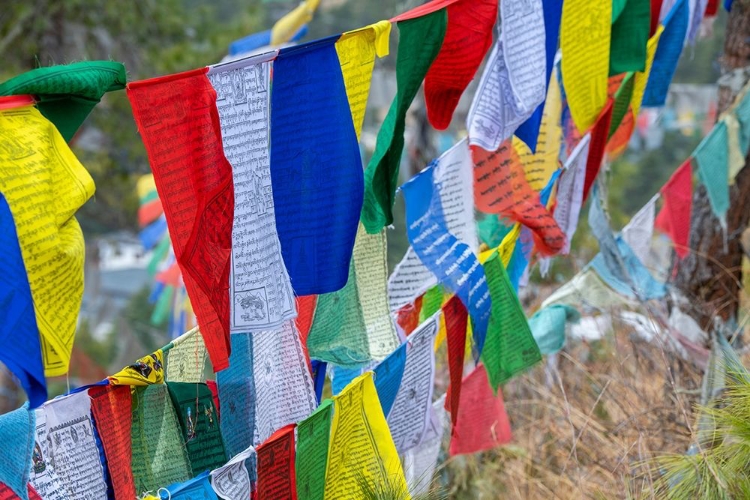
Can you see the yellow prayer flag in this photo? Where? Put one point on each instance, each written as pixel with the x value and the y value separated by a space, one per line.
pixel 145 185
pixel 505 248
pixel 44 184
pixel 287 26
pixel 361 448
pixel 540 166
pixel 584 40
pixel 146 371
pixel 641 77
pixel 357 50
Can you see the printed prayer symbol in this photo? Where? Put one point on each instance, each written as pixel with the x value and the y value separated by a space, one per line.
pixel 74 434
pixel 209 411
pixel 37 460
pixel 232 407
pixel 157 363
pixel 142 368
pixel 190 424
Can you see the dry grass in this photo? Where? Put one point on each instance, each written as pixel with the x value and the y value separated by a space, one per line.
pixel 582 429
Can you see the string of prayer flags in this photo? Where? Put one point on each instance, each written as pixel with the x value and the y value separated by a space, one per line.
pixel 43 477
pixel 286 27
pixel 539 166
pixel 712 157
pixel 570 191
pixel 451 260
pixel 630 32
pixel 599 135
pixel 276 480
pixel 421 461
pixel 186 358
pixel 667 54
pixel 411 278
pixel 199 422
pixel 232 481
pixel 585 42
pixel 388 375
pixel 316 169
pixel 44 184
pixel 529 131
pixel 313 434
pixel 481 423
pixel 19 334
pixel 150 205
pixel 356 51
pixel 194 181
pixel 548 326
pixel 196 487
pixel 410 414
pixel 73 446
pixel 17 435
pixel 159 456
pixel 146 371
pixel 67 94
pixel 260 293
pixel 353 325
pixel 500 187
pixel 674 217
pixel 419 42
pixel 697 11
pixel 609 252
pixel 284 391
pixel 111 407
pixel 236 391
pixel 455 324
pixel 510 347
pixel 642 77
pixel 468 36
pixel 361 451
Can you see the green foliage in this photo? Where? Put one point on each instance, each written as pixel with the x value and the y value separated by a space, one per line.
pixel 103 351
pixel 136 314
pixel 718 467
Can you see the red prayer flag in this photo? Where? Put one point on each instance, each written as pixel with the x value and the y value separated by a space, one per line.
pixel 467 39
pixel 149 212
pixel 455 327
pixel 276 478
pixel 215 393
pixel 305 313
pixel 599 135
pixel 423 10
pixel 179 123
pixel 655 10
pixel 712 8
pixel 674 216
pixel 500 187
pixel 7 494
pixel 482 423
pixel 408 316
pixel 170 276
pixel 111 406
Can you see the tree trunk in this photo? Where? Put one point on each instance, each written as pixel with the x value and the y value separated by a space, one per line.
pixel 710 277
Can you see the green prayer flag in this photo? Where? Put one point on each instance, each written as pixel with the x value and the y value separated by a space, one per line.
pixel 712 157
pixel 509 347
pixel 199 421
pixel 431 303
pixel 160 253
pixel 68 93
pixel 492 229
pixel 158 451
pixel 622 103
pixel 420 40
pixel 161 309
pixel 338 333
pixel 312 452
pixel 617 7
pixel 629 37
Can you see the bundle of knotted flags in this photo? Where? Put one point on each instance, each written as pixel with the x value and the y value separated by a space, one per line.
pixel 259 211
